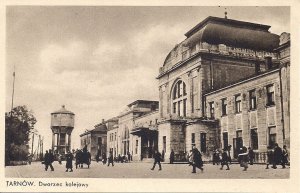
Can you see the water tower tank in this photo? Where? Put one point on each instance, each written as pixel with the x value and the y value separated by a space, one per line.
pixel 62 125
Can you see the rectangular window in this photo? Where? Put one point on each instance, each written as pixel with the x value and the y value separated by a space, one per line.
pixel 270 95
pixel 99 141
pixel 203 142
pixel 136 146
pixel 184 107
pixel 194 98
pixel 179 109
pixel 252 99
pixel 115 136
pixel 212 110
pixel 164 143
pixel 193 140
pixel 238 102
pixel 272 136
pixel 254 139
pixel 225 140
pixel 224 107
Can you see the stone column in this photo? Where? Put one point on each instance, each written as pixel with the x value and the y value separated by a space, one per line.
pixel 53 141
pixel 58 141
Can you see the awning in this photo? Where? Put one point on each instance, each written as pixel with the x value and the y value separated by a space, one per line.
pixel 143 131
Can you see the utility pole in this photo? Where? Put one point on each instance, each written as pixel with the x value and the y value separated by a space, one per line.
pixel 39 146
pixel 13 92
pixel 32 144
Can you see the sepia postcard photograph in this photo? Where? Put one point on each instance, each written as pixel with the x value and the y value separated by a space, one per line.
pixel 106 94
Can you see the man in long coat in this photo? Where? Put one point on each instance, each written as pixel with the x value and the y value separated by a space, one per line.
pixel 172 157
pixel 69 161
pixel 225 160
pixel 197 160
pixel 277 156
pixel 49 158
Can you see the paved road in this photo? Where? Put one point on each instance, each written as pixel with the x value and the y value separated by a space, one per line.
pixel 142 170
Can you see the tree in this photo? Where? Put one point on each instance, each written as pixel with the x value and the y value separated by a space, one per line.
pixel 19 123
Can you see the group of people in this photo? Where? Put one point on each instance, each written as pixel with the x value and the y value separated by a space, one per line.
pixel 275 156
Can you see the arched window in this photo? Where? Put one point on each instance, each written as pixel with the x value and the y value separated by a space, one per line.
pixel 179 98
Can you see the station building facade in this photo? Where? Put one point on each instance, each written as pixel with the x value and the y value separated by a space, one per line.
pixel 226 84
pixel 218 64
pixel 135 133
pixel 95 140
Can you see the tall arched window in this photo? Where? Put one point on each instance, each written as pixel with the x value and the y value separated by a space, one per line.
pixel 179 98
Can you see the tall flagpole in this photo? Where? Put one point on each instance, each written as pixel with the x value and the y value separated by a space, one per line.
pixel 13 92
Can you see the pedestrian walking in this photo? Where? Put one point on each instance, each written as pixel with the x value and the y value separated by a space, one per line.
pixel 104 159
pixel 59 157
pixel 110 159
pixel 172 156
pixel 69 161
pixel 128 156
pixel 216 157
pixel 251 155
pixel 78 158
pixel 270 157
pixel 49 158
pixel 277 157
pixel 157 159
pixel 197 160
pixel 244 158
pixel 224 160
pixel 285 156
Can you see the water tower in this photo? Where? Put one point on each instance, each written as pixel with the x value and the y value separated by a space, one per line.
pixel 62 125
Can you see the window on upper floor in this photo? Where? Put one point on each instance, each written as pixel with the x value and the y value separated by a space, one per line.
pixel 179 98
pixel 270 95
pixel 212 110
pixel 238 103
pixel 193 142
pixel 224 106
pixel 252 99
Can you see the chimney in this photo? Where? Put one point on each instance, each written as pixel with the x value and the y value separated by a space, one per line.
pixel 102 120
pixel 268 62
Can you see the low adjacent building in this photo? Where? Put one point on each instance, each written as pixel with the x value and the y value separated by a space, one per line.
pixel 95 140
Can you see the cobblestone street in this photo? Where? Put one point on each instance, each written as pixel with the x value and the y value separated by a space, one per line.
pixel 142 170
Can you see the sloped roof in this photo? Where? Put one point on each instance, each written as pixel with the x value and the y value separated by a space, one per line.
pixel 63 110
pixel 214 33
pixel 233 33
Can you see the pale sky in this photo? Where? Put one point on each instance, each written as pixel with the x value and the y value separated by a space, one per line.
pixel 96 60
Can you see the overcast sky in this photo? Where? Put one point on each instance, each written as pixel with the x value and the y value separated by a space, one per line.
pixel 96 60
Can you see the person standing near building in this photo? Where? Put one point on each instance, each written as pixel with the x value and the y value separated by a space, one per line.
pixel 69 161
pixel 277 157
pixel 104 159
pixel 224 160
pixel 157 160
pixel 244 158
pixel 270 156
pixel 49 158
pixel 285 156
pixel 251 155
pixel 172 157
pixel 216 157
pixel 110 159
pixel 197 160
